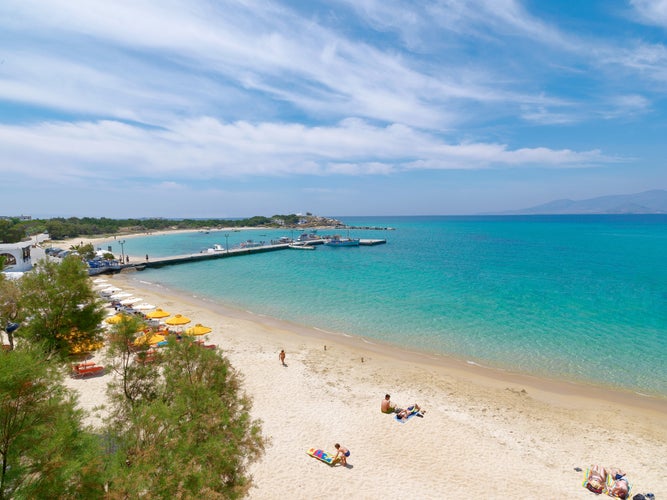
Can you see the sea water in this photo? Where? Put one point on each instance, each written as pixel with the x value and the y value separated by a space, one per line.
pixel 581 298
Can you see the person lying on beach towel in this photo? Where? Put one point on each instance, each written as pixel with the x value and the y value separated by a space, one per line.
pixel 617 484
pixel 403 415
pixel 612 481
pixel 596 479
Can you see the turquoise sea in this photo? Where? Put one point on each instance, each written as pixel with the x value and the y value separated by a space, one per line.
pixel 580 298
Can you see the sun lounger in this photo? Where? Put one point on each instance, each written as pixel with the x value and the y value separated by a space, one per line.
pixel 86 369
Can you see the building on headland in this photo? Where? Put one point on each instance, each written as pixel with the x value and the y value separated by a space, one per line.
pixel 19 217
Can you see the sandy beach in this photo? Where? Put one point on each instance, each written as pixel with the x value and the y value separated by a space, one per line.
pixel 485 433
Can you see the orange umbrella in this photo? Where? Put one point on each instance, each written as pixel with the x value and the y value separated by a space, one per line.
pixel 158 313
pixel 198 329
pixel 179 319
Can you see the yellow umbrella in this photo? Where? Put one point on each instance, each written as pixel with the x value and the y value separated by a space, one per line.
pixel 158 313
pixel 148 338
pixel 115 319
pixel 198 329
pixel 179 319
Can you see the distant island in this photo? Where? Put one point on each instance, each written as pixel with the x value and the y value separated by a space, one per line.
pixel 647 202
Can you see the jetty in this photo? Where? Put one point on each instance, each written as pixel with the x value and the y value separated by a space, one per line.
pixel 151 263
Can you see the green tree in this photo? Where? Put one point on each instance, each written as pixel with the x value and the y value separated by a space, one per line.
pixel 87 250
pixel 10 295
pixel 61 306
pixel 193 439
pixel 44 451
pixel 135 380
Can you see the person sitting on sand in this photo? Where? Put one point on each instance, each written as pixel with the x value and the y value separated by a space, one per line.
pixel 342 452
pixel 387 406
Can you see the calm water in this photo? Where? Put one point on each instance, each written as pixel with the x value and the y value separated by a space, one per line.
pixel 567 297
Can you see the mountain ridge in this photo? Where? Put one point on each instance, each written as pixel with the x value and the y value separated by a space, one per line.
pixel 647 202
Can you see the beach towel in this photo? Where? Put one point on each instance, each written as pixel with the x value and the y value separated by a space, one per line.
pixel 321 455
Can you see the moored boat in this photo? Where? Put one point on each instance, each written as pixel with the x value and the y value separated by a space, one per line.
pixel 302 246
pixel 338 241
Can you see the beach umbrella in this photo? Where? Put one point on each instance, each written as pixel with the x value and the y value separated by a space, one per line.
pixel 120 295
pixel 149 338
pixel 100 280
pixel 115 319
pixel 131 300
pixel 144 306
pixel 198 329
pixel 157 314
pixel 110 290
pixel 177 320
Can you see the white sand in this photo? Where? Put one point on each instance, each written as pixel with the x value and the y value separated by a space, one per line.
pixel 483 436
pixel 486 434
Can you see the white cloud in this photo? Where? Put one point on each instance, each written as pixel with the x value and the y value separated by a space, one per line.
pixel 205 148
pixel 652 12
pixel 153 61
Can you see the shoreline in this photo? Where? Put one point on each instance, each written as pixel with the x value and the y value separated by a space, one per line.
pixel 494 375
pixel 477 373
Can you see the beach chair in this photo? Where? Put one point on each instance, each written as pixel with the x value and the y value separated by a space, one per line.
pixel 86 369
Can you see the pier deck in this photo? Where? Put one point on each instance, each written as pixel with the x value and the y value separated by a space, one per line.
pixel 196 257
pixel 232 252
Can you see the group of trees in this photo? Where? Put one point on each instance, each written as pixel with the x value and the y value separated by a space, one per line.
pixel 178 426
pixel 13 230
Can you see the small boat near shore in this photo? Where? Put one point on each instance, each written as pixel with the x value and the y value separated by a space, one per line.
pixel 216 248
pixel 297 246
pixel 339 241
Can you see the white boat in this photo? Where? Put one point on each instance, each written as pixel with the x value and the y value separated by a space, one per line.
pixel 296 246
pixel 306 237
pixel 216 248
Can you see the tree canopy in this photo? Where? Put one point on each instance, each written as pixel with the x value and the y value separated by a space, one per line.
pixel 179 425
pixel 190 435
pixel 61 305
pixel 44 450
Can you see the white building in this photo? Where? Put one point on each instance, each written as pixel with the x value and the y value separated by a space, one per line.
pixel 17 256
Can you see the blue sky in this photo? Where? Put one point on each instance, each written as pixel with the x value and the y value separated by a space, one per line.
pixel 198 108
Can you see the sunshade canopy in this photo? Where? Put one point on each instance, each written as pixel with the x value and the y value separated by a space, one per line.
pixel 158 313
pixel 178 319
pixel 115 319
pixel 198 329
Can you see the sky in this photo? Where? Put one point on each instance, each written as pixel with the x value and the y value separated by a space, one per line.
pixel 216 108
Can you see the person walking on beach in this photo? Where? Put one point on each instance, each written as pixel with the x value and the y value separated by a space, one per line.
pixel 281 357
pixel 342 452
